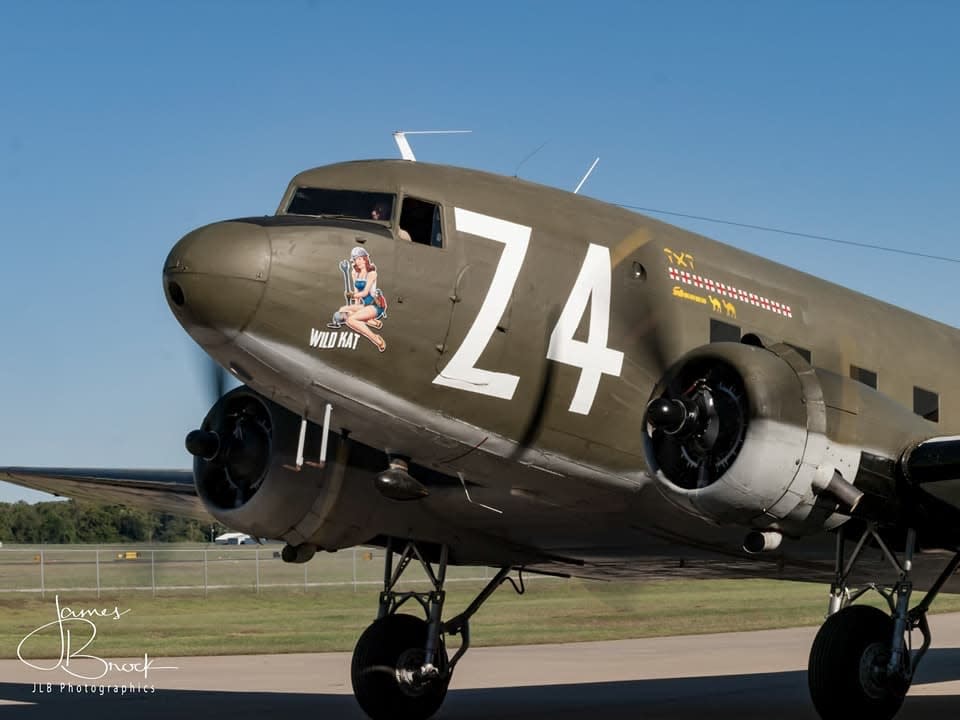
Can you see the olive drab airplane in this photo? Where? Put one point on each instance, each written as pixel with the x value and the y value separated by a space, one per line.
pixel 465 368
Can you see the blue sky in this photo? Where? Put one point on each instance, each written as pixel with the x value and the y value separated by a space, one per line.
pixel 123 125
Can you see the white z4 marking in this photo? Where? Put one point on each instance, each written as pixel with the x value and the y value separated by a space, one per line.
pixel 593 356
pixel 461 372
pixel 592 286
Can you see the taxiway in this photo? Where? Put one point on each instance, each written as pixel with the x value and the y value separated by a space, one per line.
pixel 742 675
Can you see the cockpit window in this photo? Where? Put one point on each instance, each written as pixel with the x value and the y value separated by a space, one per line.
pixel 342 203
pixel 420 222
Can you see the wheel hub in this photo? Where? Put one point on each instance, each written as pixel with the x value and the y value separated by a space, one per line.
pixel 413 674
pixel 873 670
pixel 875 678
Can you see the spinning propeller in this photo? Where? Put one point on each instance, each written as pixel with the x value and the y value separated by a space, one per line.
pixel 696 421
pixel 232 443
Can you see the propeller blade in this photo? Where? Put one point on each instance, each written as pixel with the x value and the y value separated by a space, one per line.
pixel 532 429
pixel 703 473
pixel 535 422
pixel 217 380
pixel 649 336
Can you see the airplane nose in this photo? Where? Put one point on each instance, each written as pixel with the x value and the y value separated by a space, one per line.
pixel 214 278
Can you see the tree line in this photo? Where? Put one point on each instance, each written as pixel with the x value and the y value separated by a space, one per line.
pixel 72 522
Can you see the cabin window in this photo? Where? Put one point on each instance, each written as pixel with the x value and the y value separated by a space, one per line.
pixel 420 222
pixel 802 352
pixel 352 204
pixel 723 332
pixel 926 404
pixel 862 375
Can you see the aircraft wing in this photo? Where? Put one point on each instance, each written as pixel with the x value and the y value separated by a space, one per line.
pixel 169 491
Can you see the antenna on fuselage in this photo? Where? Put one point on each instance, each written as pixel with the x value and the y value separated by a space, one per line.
pixel 516 173
pixel 406 152
pixel 584 178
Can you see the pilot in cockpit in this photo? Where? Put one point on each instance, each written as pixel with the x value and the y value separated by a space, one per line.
pixel 381 212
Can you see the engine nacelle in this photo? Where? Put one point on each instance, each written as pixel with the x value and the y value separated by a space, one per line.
pixel 738 435
pixel 249 481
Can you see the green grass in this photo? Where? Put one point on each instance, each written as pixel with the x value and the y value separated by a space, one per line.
pixel 327 619
pixel 316 607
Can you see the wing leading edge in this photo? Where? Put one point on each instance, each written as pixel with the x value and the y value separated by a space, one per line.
pixel 169 491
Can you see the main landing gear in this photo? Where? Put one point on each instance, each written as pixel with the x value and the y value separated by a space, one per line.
pixel 400 667
pixel 862 661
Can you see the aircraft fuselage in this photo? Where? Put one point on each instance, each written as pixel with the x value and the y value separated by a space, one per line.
pixel 448 368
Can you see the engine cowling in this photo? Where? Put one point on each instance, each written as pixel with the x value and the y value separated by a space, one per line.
pixel 737 434
pixel 245 472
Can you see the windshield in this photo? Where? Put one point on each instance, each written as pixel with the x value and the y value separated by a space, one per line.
pixel 342 203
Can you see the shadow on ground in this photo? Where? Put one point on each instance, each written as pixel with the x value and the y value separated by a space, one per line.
pixel 745 697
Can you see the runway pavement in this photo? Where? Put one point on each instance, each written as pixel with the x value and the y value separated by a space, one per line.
pixel 743 675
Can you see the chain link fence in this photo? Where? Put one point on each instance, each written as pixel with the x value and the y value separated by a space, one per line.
pixel 159 569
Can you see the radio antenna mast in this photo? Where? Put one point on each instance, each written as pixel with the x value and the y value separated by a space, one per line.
pixel 406 152
pixel 529 155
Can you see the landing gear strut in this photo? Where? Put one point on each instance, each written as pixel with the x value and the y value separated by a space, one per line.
pixel 400 665
pixel 862 661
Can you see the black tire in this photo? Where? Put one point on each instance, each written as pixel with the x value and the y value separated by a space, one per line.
pixel 390 641
pixel 834 673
